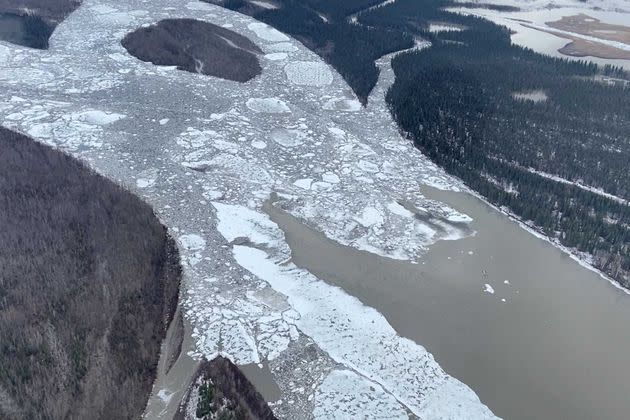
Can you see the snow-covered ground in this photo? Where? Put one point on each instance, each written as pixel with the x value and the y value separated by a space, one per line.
pixel 529 26
pixel 207 154
pixel 439 27
pixel 531 5
pixel 580 185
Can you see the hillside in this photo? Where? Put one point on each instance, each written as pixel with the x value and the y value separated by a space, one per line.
pixel 88 284
pixel 219 390
pixel 196 47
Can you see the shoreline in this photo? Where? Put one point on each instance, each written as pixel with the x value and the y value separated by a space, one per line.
pixel 533 230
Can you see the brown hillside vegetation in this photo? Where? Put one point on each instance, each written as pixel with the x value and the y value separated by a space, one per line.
pixel 88 284
pixel 219 390
pixel 197 47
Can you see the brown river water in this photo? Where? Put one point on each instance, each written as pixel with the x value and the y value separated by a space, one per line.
pixel 551 342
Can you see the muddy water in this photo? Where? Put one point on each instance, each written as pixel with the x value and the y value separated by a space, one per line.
pixel 175 371
pixel 263 381
pixel 550 343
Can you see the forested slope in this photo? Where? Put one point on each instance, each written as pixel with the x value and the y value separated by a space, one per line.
pixel 88 284
pixel 219 390
pixel 197 47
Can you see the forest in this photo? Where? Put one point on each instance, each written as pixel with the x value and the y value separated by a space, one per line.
pixel 196 47
pixel 539 136
pixel 219 391
pixel 89 280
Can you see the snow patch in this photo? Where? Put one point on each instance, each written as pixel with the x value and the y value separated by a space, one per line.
pixel 438 27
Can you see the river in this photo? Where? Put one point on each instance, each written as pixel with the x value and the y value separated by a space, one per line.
pixel 550 342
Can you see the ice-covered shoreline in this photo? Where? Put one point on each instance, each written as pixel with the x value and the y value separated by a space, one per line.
pixel 195 147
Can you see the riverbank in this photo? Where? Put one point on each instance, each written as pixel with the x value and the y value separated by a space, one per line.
pixel 583 259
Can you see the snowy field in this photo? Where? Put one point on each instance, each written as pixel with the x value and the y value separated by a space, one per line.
pixel 207 153
pixel 529 24
pixel 531 5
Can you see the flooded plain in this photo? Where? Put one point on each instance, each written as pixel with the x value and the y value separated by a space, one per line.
pixel 532 332
pixel 528 29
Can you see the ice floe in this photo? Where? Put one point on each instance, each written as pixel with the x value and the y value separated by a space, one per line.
pixel 288 138
pixel 266 32
pixel 276 56
pixel 345 395
pixel 330 178
pixel 309 73
pixel 98 117
pixel 359 337
pixel 192 242
pixel 370 217
pixel 268 105
pixel 396 208
pixel 342 104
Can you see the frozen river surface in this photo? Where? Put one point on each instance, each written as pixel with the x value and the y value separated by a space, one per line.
pixel 207 153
